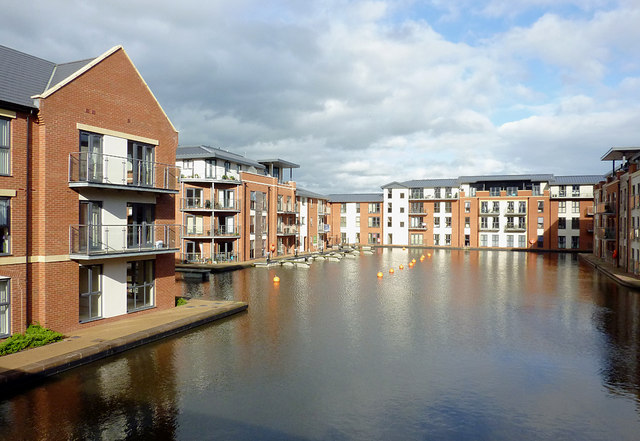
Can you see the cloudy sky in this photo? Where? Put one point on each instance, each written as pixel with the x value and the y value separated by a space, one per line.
pixel 362 93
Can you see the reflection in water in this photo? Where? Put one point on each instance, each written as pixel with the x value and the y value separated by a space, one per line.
pixel 466 345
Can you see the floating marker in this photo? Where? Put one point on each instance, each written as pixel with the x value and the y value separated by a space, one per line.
pixel 422 258
pixel 380 275
pixel 413 260
pixel 391 271
pixel 401 266
pixel 403 248
pixel 428 254
pixel 276 279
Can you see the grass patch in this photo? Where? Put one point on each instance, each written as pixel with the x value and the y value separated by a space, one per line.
pixel 181 301
pixel 34 336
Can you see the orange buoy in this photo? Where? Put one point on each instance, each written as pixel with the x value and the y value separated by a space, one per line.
pixel 276 279
pixel 411 264
pixel 401 266
pixel 413 260
pixel 428 254
pixel 380 275
pixel 421 258
pixel 403 248
pixel 391 271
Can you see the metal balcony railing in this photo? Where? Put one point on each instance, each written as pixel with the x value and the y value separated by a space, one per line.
pixel 114 240
pixel 288 230
pixel 232 178
pixel 515 227
pixel 224 231
pixel 100 170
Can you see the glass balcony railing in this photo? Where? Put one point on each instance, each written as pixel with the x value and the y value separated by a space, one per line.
pixel 287 230
pixel 100 170
pixel 86 241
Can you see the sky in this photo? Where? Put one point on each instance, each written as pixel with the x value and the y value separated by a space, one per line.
pixel 363 93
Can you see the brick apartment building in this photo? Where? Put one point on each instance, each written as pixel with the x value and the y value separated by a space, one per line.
pixel 543 212
pixel 617 211
pixel 87 188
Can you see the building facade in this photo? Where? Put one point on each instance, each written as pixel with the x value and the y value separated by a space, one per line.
pixel 88 185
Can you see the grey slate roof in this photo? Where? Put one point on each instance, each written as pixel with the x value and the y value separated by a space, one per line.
pixel 534 178
pixel 577 180
pixel 309 194
pixel 23 75
pixel 430 183
pixel 394 184
pixel 204 152
pixel 356 197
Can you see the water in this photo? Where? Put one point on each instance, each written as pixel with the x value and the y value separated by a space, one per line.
pixel 466 345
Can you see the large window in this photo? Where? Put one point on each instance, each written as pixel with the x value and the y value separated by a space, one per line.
pixel 90 293
pixel 140 277
pixel 416 239
pixel 5 223
pixel 374 222
pixel 374 207
pixel 5 143
pixel 5 303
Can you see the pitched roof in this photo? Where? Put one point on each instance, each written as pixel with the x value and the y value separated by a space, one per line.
pixel 356 197
pixel 207 152
pixel 533 177
pixel 309 194
pixel 394 184
pixel 428 183
pixel 577 180
pixel 22 75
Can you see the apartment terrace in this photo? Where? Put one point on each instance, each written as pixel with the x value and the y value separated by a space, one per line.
pixel 123 173
pixel 208 205
pixel 88 242
pixel 230 178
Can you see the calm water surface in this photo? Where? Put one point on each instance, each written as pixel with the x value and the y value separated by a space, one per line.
pixel 466 345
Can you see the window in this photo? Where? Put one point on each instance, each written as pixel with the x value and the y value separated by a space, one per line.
pixel 416 207
pixel 357 221
pixel 416 239
pixel 252 251
pixel 357 208
pixel 401 209
pixel 357 237
pixel 510 240
pixel 522 241
pixel 343 208
pixel 447 239
pixel 540 241
pixel 373 238
pixel 5 304
pixel 512 191
pixel 374 207
pixel 374 222
pixel 447 222
pixel 389 221
pixel 437 193
pixel 467 222
pixel 389 207
pixel 540 222
pixel 417 193
pixel 390 239
pixel 484 207
pixel 447 192
pixel 575 206
pixel 209 168
pixel 447 207
pixel 140 278
pixel 496 207
pixel 575 223
pixel 495 240
pixel 436 222
pixel 467 207
pixel 343 238
pixel 5 144
pixel 343 221
pixel 402 195
pixel 484 223
pixel 563 191
pixel 90 306
pixel 389 193
pixel 227 167
pixel 252 205
pixel 401 224
pixel 436 239
pixel 5 223
pixel 510 206
pixel 436 207
pixel 562 223
pixel 562 242
pixel 562 207
pixel 575 242
pixel 483 240
pixel 522 207
pixel 494 191
pixel 540 206
pixel 535 190
pixel 575 190
pixel 252 224
pixel 467 240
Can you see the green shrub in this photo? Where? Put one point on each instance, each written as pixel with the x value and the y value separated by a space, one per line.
pixel 34 336
pixel 181 301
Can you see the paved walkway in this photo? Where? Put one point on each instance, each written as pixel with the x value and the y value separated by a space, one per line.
pixel 617 274
pixel 87 345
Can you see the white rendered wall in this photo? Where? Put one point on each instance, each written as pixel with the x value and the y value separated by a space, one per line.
pixel 114 288
pixel 399 214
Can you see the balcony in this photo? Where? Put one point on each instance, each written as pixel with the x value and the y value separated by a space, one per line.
pixel 322 211
pixel 590 211
pixel 88 242
pixel 422 227
pixel 512 227
pixel 195 204
pixel 288 230
pixel 226 232
pixel 287 209
pixel 514 212
pixel 323 228
pixel 230 178
pixel 228 205
pixel 489 212
pixel 573 194
pixel 122 173
pixel 606 208
pixel 494 227
pixel 606 233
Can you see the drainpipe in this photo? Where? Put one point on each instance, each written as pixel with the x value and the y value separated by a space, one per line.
pixel 27 253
